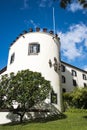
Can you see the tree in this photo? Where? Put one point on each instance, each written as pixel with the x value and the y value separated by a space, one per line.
pixel 67 100
pixel 77 98
pixel 64 3
pixel 26 88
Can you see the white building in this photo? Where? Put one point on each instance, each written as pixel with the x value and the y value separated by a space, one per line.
pixel 40 51
pixel 37 51
pixel 72 77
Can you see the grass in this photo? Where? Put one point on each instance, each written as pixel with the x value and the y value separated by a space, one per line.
pixel 73 121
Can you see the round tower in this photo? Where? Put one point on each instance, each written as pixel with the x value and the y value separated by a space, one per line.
pixel 38 51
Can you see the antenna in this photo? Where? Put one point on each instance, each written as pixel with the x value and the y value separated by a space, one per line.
pixel 53 20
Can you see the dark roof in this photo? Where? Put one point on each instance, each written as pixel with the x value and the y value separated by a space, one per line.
pixel 3 70
pixel 73 67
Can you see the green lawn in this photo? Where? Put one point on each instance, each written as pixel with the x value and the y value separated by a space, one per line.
pixel 73 121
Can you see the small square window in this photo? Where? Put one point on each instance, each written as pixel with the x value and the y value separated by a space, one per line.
pixel 34 48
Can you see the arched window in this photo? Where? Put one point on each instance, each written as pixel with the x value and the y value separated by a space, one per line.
pixel 74 73
pixel 53 97
pixel 84 77
pixel 74 82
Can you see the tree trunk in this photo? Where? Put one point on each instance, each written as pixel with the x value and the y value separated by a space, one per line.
pixel 21 117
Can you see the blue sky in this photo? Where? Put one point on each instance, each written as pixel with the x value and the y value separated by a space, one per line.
pixel 70 24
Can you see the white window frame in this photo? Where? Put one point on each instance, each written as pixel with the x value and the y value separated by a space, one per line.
pixel 34 48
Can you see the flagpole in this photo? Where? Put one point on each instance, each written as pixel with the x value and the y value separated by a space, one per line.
pixel 53 20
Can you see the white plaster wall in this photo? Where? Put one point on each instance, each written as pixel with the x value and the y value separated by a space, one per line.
pixel 49 48
pixel 80 79
pixel 68 75
pixel 3 118
pixel 68 85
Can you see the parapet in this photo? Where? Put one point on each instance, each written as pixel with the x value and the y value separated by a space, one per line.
pixel 37 29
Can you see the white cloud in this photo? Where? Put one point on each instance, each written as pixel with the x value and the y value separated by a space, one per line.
pixel 42 3
pixel 34 24
pixel 75 6
pixel 73 41
pixel 45 3
pixel 85 67
pixel 25 4
pixel 30 22
pixel 27 23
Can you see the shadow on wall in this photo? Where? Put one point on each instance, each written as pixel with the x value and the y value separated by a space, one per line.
pixel 12 117
pixel 47 112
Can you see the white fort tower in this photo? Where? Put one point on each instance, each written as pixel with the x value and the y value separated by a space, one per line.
pixel 38 51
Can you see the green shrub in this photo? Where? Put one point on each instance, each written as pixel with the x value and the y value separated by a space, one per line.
pixel 76 99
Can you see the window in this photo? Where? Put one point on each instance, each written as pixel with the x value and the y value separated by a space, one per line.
pixel 74 83
pixel 12 58
pixel 63 79
pixel 85 85
pixel 84 77
pixel 34 48
pixel 74 73
pixel 53 98
pixel 62 68
pixel 50 63
pixel 63 90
